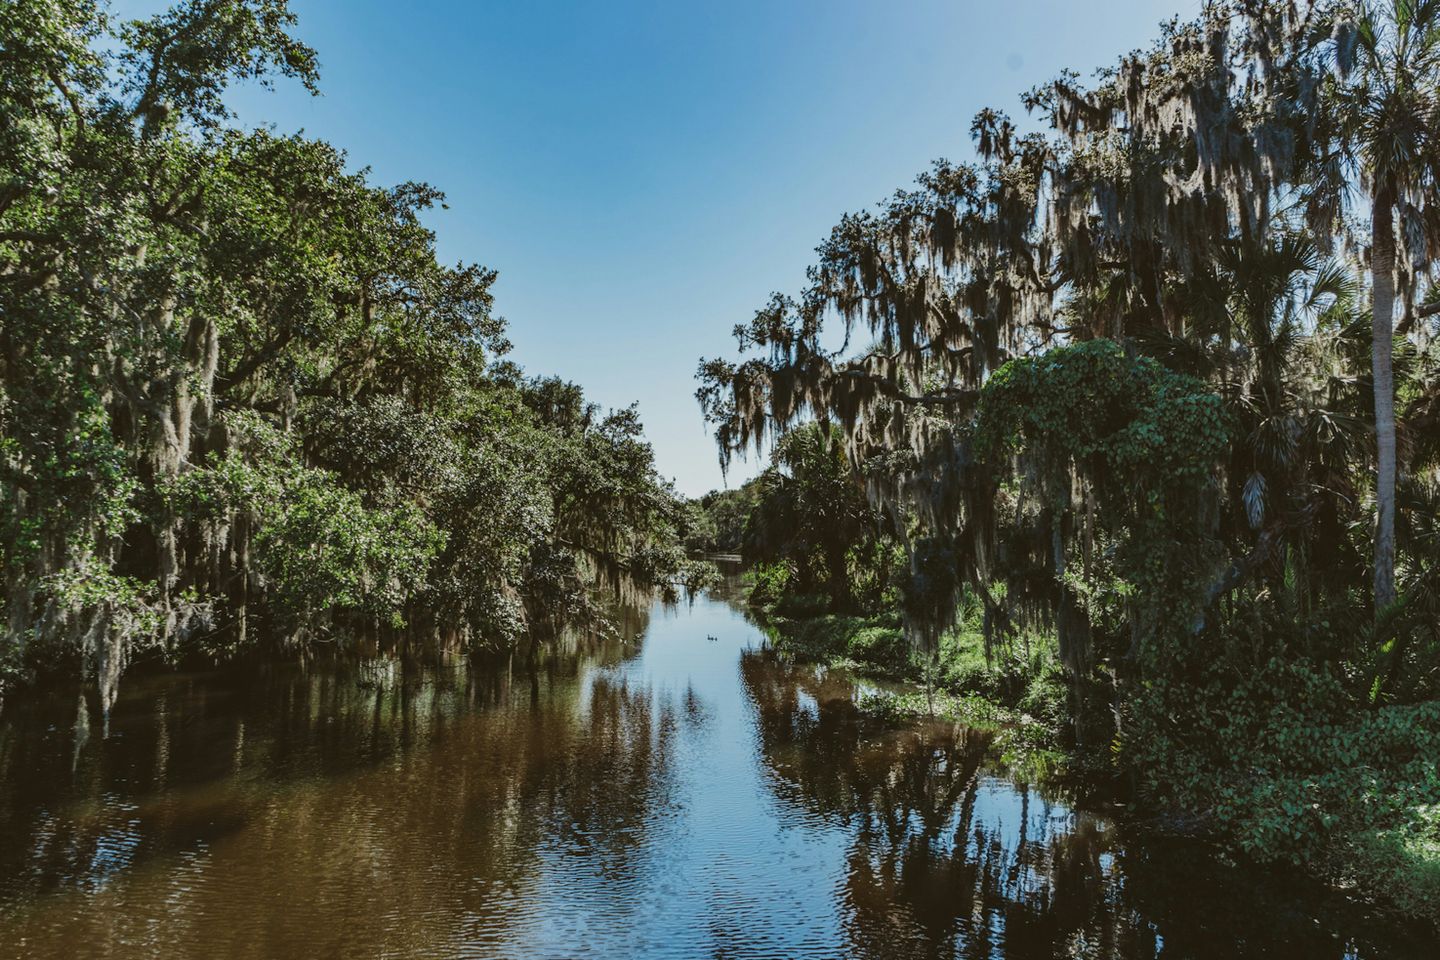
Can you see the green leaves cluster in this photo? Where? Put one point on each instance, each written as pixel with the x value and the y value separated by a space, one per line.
pixel 1110 413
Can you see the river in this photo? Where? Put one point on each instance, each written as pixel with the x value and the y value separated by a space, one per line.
pixel 676 791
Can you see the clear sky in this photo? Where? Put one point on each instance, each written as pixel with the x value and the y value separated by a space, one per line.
pixel 644 173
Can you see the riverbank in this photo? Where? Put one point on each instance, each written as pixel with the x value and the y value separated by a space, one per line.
pixel 1021 702
pixel 1349 806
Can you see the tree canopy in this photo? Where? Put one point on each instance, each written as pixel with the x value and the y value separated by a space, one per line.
pixel 1194 206
pixel 241 399
pixel 1159 382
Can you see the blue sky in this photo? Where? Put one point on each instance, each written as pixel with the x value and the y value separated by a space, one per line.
pixel 644 174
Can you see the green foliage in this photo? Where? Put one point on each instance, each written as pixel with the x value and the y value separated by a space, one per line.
pixel 812 515
pixel 1023 744
pixel 1152 412
pixel 768 583
pixel 324 551
pixel 724 516
pixel 805 529
pixel 876 646
pixel 1091 401
pixel 241 399
pixel 1284 759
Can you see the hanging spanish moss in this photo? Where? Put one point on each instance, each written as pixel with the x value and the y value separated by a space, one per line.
pixel 243 404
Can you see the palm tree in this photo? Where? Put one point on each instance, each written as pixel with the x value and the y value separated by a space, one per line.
pixel 1386 112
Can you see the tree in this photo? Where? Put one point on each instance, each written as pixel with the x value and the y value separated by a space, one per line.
pixel 1178 153
pixel 1386 103
pixel 242 402
pixel 1186 207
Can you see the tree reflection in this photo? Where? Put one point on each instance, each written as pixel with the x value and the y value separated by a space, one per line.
pixel 220 803
pixel 948 857
pixel 583 800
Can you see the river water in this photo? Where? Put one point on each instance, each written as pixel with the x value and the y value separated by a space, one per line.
pixel 681 791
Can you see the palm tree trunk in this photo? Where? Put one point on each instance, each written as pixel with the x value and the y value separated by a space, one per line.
pixel 1382 267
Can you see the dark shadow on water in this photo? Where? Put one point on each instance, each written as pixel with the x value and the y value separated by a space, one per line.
pixel 187 757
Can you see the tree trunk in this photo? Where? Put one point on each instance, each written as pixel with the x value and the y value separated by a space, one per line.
pixel 1382 268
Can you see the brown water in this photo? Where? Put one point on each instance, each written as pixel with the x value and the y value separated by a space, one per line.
pixel 685 794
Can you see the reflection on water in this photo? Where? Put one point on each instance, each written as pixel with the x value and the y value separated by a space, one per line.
pixel 682 794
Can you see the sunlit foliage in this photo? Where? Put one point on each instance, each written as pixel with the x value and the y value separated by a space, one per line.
pixel 241 399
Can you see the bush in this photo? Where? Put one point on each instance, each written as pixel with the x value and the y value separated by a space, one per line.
pixel 1284 760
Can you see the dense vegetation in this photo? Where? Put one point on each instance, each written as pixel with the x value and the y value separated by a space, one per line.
pixel 1156 392
pixel 720 518
pixel 1145 442
pixel 241 401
